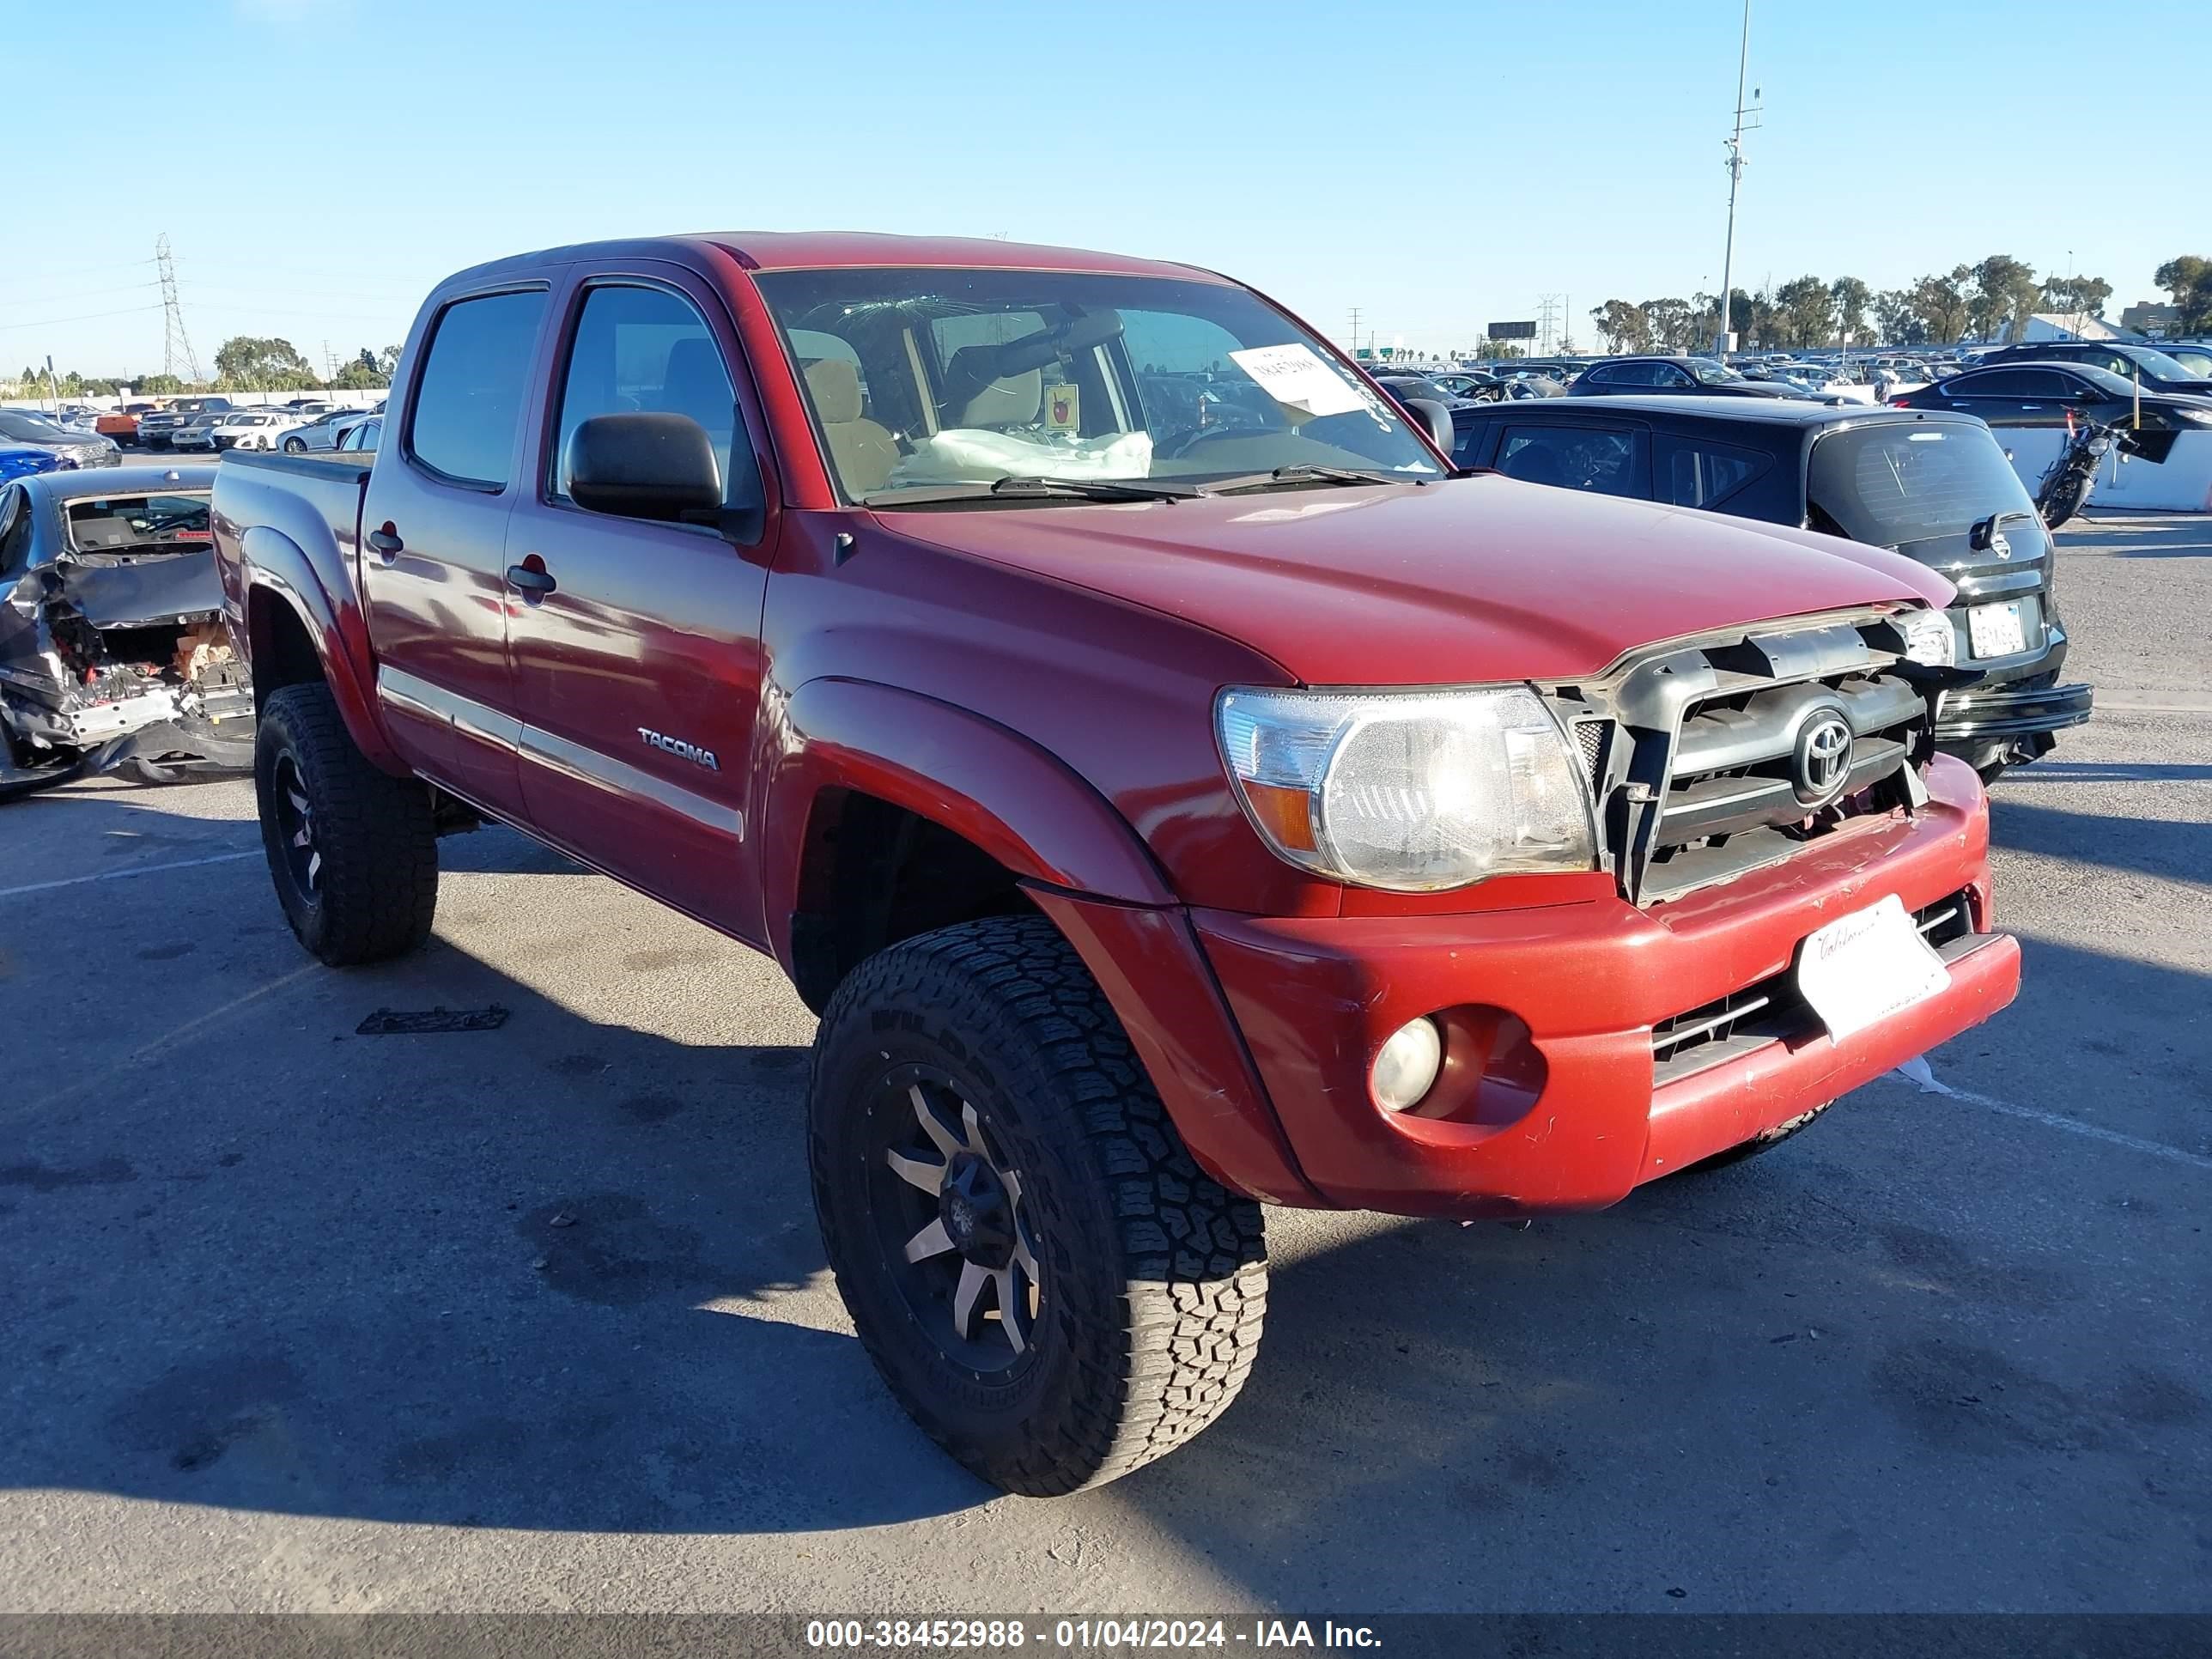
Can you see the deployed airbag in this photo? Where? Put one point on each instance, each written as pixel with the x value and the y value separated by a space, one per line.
pixel 964 454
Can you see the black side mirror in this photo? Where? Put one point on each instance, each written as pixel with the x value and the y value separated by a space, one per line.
pixel 1435 417
pixel 646 466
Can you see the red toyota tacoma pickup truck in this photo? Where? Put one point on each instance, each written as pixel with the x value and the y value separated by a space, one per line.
pixel 1176 790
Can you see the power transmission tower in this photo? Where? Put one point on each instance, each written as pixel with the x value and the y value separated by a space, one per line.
pixel 1547 320
pixel 1734 142
pixel 176 344
pixel 1355 330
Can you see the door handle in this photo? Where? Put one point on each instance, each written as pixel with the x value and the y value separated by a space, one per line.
pixel 534 581
pixel 387 541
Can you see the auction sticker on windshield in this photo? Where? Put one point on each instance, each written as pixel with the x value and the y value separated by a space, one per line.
pixel 1861 968
pixel 1295 377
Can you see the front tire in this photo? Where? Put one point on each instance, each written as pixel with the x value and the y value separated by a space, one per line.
pixel 352 850
pixel 295 447
pixel 1047 1283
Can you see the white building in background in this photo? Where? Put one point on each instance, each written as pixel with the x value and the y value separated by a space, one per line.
pixel 2064 326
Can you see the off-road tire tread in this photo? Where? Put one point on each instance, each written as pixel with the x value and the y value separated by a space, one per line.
pixel 1173 1352
pixel 380 844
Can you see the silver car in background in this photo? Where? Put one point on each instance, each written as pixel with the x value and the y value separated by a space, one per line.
pixel 327 432
pixel 74 448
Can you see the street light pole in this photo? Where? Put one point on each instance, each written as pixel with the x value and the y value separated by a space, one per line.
pixel 1735 176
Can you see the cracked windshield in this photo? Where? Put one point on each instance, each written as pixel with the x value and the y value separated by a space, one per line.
pixel 943 384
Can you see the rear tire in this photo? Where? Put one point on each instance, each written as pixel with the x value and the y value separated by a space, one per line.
pixel 1138 1283
pixel 352 850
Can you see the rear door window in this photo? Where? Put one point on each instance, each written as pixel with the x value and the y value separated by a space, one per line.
pixel 1593 457
pixel 1698 472
pixel 474 383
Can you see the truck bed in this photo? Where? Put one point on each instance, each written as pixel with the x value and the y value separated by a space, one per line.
pixel 312 500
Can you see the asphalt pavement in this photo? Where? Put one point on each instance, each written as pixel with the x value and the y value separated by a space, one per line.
pixel 535 1317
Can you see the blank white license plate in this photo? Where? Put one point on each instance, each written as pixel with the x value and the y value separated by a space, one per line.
pixel 1861 968
pixel 1996 630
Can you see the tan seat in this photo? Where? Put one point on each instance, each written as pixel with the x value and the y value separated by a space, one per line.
pixel 1013 401
pixel 864 452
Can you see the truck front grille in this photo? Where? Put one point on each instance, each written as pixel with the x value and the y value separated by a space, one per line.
pixel 1717 757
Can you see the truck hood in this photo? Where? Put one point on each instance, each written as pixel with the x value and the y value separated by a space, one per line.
pixel 1482 578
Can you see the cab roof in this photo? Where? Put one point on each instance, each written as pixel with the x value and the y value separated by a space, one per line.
pixel 786 249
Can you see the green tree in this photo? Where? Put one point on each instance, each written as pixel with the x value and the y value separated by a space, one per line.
pixel 1940 303
pixel 158 386
pixel 1894 320
pixel 387 364
pixel 2004 292
pixel 2076 296
pixel 1671 322
pixel 1850 297
pixel 251 363
pixel 1624 326
pixel 1805 315
pixel 2181 276
pixel 362 375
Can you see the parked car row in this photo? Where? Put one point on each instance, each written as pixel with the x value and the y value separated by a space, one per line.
pixel 214 423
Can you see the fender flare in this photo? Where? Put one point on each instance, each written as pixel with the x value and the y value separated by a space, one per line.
pixel 274 570
pixel 982 781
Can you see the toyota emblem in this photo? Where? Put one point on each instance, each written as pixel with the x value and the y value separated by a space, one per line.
pixel 1821 763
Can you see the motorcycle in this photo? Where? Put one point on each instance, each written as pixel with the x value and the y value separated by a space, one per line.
pixel 2064 490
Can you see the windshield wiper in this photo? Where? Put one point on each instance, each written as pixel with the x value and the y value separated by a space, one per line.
pixel 1307 472
pixel 1083 489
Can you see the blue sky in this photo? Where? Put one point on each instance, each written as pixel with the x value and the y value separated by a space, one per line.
pixel 1439 166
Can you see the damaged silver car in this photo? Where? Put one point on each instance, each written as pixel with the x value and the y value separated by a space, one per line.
pixel 112 652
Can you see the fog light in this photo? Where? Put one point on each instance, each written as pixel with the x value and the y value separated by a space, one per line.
pixel 1407 1065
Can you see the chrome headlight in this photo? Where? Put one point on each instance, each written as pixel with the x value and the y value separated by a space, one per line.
pixel 1929 639
pixel 1410 791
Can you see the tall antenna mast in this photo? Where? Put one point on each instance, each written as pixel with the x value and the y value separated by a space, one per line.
pixel 176 344
pixel 1735 176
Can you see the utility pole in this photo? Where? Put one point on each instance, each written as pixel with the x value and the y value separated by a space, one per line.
pixel 1735 176
pixel 176 344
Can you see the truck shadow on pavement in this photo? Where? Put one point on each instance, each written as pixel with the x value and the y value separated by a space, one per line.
pixel 563 1274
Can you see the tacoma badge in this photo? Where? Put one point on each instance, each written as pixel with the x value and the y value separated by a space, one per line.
pixel 690 751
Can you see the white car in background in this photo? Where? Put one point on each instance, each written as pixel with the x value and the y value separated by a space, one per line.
pixel 252 429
